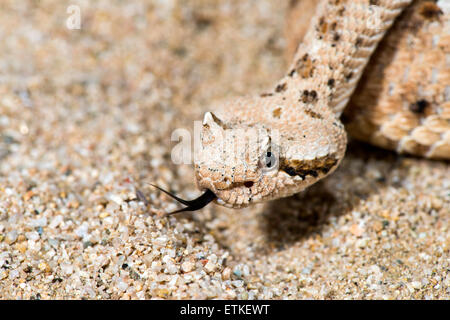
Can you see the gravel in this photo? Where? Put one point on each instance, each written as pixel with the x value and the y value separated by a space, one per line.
pixel 86 118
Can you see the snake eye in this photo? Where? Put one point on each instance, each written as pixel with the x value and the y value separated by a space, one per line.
pixel 269 160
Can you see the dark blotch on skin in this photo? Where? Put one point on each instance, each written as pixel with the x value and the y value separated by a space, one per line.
pixel 331 82
pixel 333 26
pixel 309 96
pixel 290 171
pixel 202 22
pixel 277 113
pixel 430 10
pixel 248 184
pixel 305 96
pixel 349 76
pixel 419 106
pixel 305 66
pixel 293 3
pixel 313 114
pixel 281 87
pixel 303 173
pixel 336 37
pixel 308 167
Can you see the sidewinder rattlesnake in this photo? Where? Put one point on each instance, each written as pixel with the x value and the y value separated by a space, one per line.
pixel 386 62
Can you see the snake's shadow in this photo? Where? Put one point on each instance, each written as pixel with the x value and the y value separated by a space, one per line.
pixel 299 217
pixel 290 220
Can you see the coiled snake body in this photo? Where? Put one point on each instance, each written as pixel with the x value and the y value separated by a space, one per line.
pixel 386 62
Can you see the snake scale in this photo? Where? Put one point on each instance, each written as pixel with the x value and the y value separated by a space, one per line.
pixel 380 66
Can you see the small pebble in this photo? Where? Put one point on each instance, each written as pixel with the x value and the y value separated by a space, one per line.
pixel 356 230
pixel 237 273
pixel 121 285
pixel 11 237
pixel 210 267
pixel 33 235
pixel 306 271
pixel 226 273
pixel 187 266
pixel 416 285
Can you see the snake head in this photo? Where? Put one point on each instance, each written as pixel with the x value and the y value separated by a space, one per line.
pixel 249 163
pixel 234 161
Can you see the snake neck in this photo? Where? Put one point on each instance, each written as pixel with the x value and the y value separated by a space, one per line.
pixel 330 61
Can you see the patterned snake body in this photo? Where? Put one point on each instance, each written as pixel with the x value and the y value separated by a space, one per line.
pixel 256 149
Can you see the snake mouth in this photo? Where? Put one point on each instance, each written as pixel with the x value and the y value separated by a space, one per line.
pixel 247 184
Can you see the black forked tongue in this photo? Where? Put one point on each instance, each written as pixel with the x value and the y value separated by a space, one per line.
pixel 191 205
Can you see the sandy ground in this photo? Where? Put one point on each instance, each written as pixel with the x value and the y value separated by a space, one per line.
pixel 86 118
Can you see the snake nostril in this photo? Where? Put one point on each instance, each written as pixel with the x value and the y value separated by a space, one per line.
pixel 248 184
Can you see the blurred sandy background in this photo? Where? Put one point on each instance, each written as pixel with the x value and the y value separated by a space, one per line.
pixel 85 119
